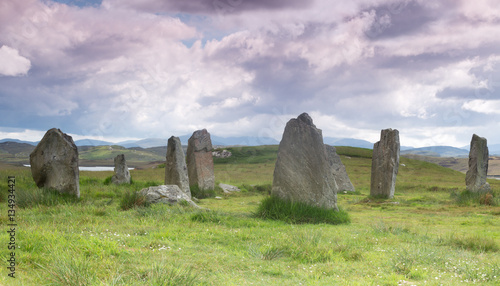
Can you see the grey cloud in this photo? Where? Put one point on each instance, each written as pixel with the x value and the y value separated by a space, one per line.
pixel 403 19
pixel 220 7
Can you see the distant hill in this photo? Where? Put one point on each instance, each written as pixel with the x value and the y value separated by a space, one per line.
pixel 18 141
pixel 14 148
pixel 145 143
pixel 235 141
pixel 351 142
pixel 437 151
pixel 91 142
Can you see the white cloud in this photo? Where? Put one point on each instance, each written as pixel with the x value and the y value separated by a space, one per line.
pixel 11 63
pixel 483 106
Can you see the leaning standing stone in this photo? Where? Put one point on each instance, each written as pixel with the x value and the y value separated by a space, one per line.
pixel 302 172
pixel 385 163
pixel 200 163
pixel 175 167
pixel 54 163
pixel 122 174
pixel 339 172
pixel 475 179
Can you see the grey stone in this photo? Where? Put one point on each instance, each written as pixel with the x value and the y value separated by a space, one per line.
pixel 228 188
pixel 302 172
pixel 167 194
pixel 176 172
pixel 200 163
pixel 475 178
pixel 385 164
pixel 122 174
pixel 339 171
pixel 54 163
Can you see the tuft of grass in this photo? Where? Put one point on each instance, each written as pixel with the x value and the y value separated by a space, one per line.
pixel 297 212
pixel 107 181
pixel 69 270
pixel 132 199
pixel 471 242
pixel 206 216
pixel 268 252
pixel 468 198
pixel 26 198
pixel 201 194
pixel 166 275
pixel 381 227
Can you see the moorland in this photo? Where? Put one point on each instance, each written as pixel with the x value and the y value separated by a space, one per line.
pixel 431 233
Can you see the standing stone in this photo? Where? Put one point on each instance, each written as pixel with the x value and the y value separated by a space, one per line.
pixel 385 163
pixel 54 163
pixel 302 172
pixel 200 163
pixel 122 174
pixel 339 172
pixel 176 172
pixel 475 179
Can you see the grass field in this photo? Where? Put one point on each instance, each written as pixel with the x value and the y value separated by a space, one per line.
pixel 427 235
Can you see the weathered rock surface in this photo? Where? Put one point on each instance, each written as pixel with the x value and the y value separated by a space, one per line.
pixel 122 174
pixel 229 188
pixel 176 172
pixel 167 194
pixel 339 172
pixel 54 163
pixel 385 164
pixel 200 163
pixel 475 178
pixel 302 172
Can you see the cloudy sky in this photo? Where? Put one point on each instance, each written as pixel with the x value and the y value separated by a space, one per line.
pixel 123 69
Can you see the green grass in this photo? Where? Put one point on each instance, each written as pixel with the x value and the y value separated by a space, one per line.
pixel 297 212
pixel 422 236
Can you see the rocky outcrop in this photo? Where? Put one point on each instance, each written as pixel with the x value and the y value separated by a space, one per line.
pixel 339 172
pixel 385 164
pixel 167 194
pixel 54 163
pixel 475 179
pixel 122 174
pixel 302 172
pixel 200 163
pixel 176 172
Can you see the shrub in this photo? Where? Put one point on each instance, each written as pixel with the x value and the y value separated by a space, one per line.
pixel 297 212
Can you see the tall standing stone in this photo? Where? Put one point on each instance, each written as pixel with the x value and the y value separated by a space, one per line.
pixel 122 174
pixel 475 179
pixel 54 163
pixel 200 163
pixel 302 172
pixel 176 172
pixel 385 164
pixel 339 171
